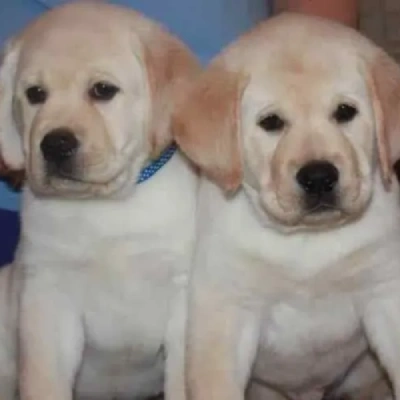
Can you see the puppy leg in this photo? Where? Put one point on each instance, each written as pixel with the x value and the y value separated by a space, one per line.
pixel 221 347
pixel 8 386
pixel 175 348
pixel 51 344
pixel 261 392
pixel 377 391
pixel 382 324
pixel 366 381
pixel 9 289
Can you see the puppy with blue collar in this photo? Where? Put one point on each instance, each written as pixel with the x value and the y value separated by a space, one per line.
pixel 108 208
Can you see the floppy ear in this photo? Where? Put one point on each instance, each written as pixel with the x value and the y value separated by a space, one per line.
pixel 11 155
pixel 206 125
pixel 169 66
pixel 384 82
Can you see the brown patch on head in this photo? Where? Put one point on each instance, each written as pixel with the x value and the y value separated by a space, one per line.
pixel 169 66
pixel 384 83
pixel 206 125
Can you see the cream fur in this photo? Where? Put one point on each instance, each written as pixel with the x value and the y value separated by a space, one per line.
pixel 102 262
pixel 280 295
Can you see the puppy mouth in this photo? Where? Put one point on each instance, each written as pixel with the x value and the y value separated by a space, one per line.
pixel 72 173
pixel 324 215
pixel 322 208
pixel 316 211
pixel 73 182
pixel 318 204
pixel 76 170
pixel 66 171
pixel 64 159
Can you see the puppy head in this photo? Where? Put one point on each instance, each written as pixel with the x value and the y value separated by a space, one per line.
pixel 299 123
pixel 85 98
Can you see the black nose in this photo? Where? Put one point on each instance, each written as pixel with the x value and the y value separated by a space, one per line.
pixel 59 145
pixel 318 177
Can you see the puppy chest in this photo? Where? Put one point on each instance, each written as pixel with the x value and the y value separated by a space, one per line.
pixel 127 304
pixel 130 324
pixel 309 341
pixel 125 329
pixel 132 318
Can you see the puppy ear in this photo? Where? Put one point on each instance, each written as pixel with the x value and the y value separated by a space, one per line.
pixel 10 140
pixel 170 65
pixel 384 82
pixel 206 125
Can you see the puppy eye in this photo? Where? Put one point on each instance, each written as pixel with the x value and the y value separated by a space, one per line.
pixel 36 95
pixel 344 113
pixel 103 91
pixel 272 123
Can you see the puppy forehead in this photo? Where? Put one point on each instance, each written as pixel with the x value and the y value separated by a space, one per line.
pixel 300 52
pixel 90 16
pixel 63 47
pixel 84 30
pixel 333 74
pixel 305 77
pixel 309 90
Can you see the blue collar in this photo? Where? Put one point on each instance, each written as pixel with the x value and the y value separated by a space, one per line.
pixel 148 171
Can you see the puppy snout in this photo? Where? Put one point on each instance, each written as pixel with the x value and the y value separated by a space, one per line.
pixel 59 145
pixel 318 180
pixel 318 177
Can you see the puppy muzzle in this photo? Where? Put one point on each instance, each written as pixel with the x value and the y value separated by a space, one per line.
pixel 318 181
pixel 59 148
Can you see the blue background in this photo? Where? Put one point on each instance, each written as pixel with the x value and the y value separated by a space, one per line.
pixel 205 25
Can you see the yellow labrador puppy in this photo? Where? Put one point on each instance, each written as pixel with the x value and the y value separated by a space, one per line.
pixel 86 93
pixel 297 268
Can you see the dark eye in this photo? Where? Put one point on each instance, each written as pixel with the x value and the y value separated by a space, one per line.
pixel 344 113
pixel 103 91
pixel 36 95
pixel 272 123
